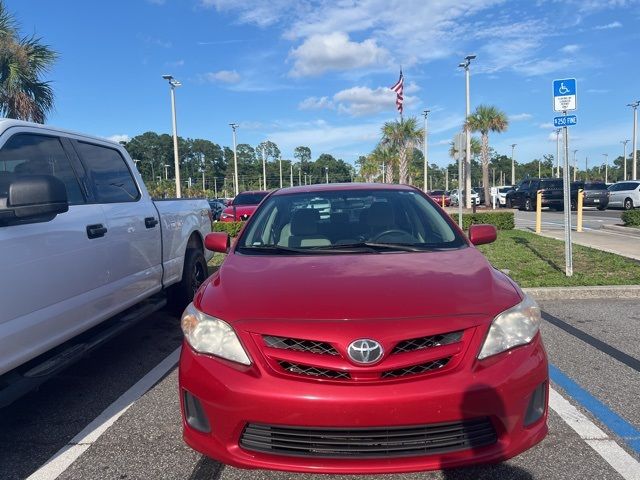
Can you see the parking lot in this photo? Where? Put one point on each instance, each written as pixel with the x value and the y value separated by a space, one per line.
pixel 61 431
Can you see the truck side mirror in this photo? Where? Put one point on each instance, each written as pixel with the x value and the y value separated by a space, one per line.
pixel 32 198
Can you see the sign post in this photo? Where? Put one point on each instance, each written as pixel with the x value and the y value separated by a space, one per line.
pixel 564 99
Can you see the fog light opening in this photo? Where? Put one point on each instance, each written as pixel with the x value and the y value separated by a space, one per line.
pixel 537 404
pixel 194 413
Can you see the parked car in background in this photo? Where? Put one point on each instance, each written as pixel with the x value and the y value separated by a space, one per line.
pixel 217 206
pixel 83 248
pixel 596 194
pixel 475 198
pixel 480 191
pixel 445 369
pixel 625 194
pixel 524 197
pixel 437 196
pixel 243 206
pixel 502 191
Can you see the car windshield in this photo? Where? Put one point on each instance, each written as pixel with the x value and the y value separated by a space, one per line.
pixel 249 198
pixel 504 189
pixel 595 186
pixel 551 184
pixel 348 221
pixel 437 192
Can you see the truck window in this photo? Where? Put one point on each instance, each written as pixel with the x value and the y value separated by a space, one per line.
pixel 30 154
pixel 110 175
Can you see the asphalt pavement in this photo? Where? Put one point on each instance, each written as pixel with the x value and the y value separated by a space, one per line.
pixel 591 343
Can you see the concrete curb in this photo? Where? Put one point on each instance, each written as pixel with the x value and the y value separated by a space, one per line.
pixel 620 229
pixel 583 293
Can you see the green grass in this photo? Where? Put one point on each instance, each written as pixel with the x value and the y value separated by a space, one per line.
pixel 215 262
pixel 536 261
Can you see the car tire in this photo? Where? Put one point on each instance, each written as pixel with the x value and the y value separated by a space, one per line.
pixel 628 204
pixel 508 203
pixel 601 208
pixel 193 274
pixel 528 206
pixel 574 205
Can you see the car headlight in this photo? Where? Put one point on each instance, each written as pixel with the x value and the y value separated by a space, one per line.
pixel 212 336
pixel 513 327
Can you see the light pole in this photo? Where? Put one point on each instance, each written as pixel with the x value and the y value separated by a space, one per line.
pixel 426 158
pixel 558 152
pixel 513 164
pixel 280 161
pixel 606 167
pixel 326 172
pixel 634 105
pixel 235 158
pixel 624 158
pixel 575 166
pixel 264 168
pixel 586 168
pixel 467 160
pixel 173 83
pixel 166 171
pixel 291 175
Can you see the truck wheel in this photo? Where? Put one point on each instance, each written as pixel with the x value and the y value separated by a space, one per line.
pixel 574 205
pixel 508 203
pixel 601 208
pixel 628 204
pixel 527 205
pixel 193 274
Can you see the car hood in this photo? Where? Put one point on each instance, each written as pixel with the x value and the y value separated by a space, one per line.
pixel 357 286
pixel 241 210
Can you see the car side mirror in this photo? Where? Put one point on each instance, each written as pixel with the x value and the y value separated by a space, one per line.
pixel 481 234
pixel 32 198
pixel 217 242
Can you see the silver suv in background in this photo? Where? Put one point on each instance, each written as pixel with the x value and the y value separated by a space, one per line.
pixel 625 194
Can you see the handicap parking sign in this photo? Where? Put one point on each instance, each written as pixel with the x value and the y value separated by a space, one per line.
pixel 564 95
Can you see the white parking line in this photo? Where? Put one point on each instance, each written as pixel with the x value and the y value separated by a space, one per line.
pixel 68 454
pixel 623 463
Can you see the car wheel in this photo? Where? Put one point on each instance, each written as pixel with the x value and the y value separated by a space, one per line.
pixel 628 204
pixel 574 205
pixel 527 205
pixel 508 203
pixel 601 208
pixel 193 274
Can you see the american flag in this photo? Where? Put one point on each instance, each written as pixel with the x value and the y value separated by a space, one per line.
pixel 398 89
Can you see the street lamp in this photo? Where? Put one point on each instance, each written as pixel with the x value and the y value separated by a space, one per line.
pixel 326 172
pixel 166 171
pixel 606 167
pixel 467 161
pixel 624 158
pixel 235 158
pixel 426 158
pixel 513 164
pixel 558 152
pixel 173 83
pixel 634 105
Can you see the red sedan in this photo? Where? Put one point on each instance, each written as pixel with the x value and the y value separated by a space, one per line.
pixel 437 196
pixel 376 340
pixel 243 206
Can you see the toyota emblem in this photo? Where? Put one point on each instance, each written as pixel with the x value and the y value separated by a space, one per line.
pixel 365 351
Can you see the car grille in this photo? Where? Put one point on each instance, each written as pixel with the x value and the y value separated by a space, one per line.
pixel 368 442
pixel 324 361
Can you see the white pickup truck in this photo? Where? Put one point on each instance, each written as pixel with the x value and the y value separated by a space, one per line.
pixel 84 250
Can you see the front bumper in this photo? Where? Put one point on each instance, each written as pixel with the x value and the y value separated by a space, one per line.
pixel 499 388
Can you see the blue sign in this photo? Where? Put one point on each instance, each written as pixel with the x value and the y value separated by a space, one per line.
pixel 566 121
pixel 564 87
pixel 565 95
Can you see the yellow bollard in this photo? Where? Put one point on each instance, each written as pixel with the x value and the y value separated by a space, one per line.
pixel 580 204
pixel 539 211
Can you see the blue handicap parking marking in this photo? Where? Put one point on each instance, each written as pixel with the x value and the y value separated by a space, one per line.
pixel 564 87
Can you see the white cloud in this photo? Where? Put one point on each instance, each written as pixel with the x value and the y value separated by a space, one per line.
pixel 597 90
pixel 224 76
pixel 258 12
pixel 609 26
pixel 316 103
pixel 520 116
pixel 335 51
pixel 176 64
pixel 122 137
pixel 570 48
pixel 158 42
pixel 546 125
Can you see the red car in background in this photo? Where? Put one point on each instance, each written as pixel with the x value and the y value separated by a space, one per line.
pixel 437 195
pixel 243 206
pixel 375 339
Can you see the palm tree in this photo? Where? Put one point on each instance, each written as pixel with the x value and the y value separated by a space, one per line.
pixel 23 60
pixel 402 136
pixel 384 159
pixel 486 119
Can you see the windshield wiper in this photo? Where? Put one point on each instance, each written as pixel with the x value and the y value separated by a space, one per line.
pixel 279 249
pixel 404 247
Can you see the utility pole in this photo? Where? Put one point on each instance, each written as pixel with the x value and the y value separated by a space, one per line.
pixel 513 164
pixel 634 105
pixel 326 172
pixel 467 161
pixel 264 167
pixel 586 168
pixel 446 179
pixel 624 158
pixel 291 175
pixel 606 167
pixel 235 158
pixel 558 152
pixel 575 166
pixel 425 152
pixel 176 160
pixel 280 161
pixel 299 175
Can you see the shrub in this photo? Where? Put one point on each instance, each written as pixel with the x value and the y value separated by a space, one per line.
pixel 631 218
pixel 501 220
pixel 232 228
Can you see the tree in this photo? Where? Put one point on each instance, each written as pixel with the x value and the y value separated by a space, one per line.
pixel 402 136
pixel 23 61
pixel 271 152
pixel 487 119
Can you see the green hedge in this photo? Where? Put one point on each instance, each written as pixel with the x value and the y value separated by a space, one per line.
pixel 501 220
pixel 631 218
pixel 232 228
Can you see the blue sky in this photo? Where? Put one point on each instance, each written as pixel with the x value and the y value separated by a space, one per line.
pixel 315 73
